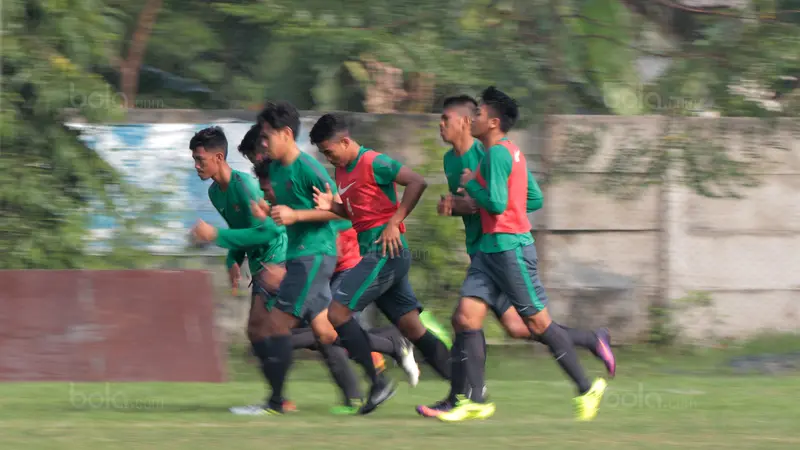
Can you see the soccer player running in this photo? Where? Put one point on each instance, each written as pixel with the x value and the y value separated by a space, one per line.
pixel 505 263
pixel 466 153
pixel 304 293
pixel 388 340
pixel 262 242
pixel 367 186
pixel 335 357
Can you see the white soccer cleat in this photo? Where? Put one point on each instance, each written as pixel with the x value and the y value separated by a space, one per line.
pixel 409 364
pixel 249 410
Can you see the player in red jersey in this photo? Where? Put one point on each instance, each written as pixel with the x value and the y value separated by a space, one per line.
pixel 386 340
pixel 506 263
pixel 367 183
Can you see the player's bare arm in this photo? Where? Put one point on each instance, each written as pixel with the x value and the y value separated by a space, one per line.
pixel 327 202
pixel 415 185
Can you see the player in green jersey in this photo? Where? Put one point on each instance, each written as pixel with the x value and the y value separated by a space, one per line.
pixel 466 153
pixel 262 242
pixel 304 293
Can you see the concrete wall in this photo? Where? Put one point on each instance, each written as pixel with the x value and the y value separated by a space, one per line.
pixel 607 261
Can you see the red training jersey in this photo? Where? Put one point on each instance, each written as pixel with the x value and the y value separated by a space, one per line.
pixel 366 203
pixel 347 249
pixel 514 220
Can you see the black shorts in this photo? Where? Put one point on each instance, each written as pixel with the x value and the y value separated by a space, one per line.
pixel 305 290
pixel 508 276
pixel 382 280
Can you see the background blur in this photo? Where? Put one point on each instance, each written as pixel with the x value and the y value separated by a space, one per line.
pixel 663 133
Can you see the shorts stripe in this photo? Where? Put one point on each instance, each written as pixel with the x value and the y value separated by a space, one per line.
pixel 372 275
pixel 298 305
pixel 523 271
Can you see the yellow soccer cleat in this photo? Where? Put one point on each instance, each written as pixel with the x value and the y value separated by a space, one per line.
pixel 587 405
pixel 466 409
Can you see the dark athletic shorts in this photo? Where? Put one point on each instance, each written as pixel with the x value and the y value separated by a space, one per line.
pixel 382 280
pixel 336 280
pixel 305 290
pixel 512 274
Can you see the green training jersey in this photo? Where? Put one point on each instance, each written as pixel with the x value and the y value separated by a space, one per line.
pixel 261 241
pixel 293 185
pixel 454 165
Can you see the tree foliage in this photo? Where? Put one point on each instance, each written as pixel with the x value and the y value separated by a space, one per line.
pixel 50 181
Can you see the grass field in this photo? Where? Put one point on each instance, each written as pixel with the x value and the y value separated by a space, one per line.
pixel 657 401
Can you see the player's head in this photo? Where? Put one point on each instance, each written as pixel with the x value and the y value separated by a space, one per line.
pixel 261 169
pixel 209 151
pixel 279 123
pixel 250 147
pixel 456 117
pixel 331 135
pixel 496 114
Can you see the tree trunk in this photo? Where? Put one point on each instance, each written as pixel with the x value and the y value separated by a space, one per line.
pixel 132 64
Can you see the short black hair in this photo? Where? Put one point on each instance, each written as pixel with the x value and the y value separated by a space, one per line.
pixel 250 141
pixel 502 106
pixel 280 115
pixel 261 169
pixel 327 127
pixel 459 100
pixel 211 138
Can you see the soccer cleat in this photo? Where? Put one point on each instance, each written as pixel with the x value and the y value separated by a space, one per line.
pixel 466 409
pixel 587 405
pixel 604 351
pixel 434 410
pixel 408 363
pixel 430 322
pixel 378 361
pixel 289 406
pixel 352 408
pixel 382 390
pixel 255 410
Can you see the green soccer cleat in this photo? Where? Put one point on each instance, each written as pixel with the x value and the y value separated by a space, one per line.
pixel 466 409
pixel 351 408
pixel 430 322
pixel 587 405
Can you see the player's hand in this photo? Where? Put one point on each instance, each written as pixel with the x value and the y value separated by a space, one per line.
pixel 445 206
pixel 234 275
pixel 324 200
pixel 283 215
pixel 203 232
pixel 259 210
pixel 467 176
pixel 390 240
pixel 465 204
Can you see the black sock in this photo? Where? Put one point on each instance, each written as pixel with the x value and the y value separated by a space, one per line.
pixel 353 338
pixel 276 365
pixel 304 338
pixel 435 352
pixel 260 349
pixel 383 345
pixel 458 380
pixel 557 340
pixel 474 363
pixel 580 338
pixel 339 366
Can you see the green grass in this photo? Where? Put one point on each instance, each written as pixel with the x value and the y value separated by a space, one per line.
pixel 658 400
